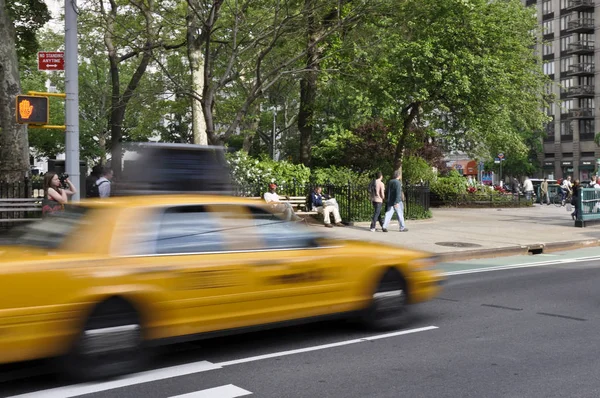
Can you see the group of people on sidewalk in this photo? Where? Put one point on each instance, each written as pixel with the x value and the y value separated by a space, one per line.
pixel 327 206
pixel 569 191
pixel 394 202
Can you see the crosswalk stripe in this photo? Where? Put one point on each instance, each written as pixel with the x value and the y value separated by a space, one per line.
pixel 137 378
pixel 228 391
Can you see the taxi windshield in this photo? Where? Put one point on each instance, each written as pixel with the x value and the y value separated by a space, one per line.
pixel 52 231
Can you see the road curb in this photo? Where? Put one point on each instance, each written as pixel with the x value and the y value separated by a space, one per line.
pixel 520 250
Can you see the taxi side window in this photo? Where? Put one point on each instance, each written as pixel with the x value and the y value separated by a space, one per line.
pixel 188 229
pixel 278 234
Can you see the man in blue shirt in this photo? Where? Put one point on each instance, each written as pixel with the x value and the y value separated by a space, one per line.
pixel 394 203
pixel 325 206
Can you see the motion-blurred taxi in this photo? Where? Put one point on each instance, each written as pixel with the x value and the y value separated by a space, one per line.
pixel 99 284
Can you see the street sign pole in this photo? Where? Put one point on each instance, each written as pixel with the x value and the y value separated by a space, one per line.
pixel 72 99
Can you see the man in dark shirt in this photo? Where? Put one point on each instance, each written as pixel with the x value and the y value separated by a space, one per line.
pixel 394 203
pixel 324 205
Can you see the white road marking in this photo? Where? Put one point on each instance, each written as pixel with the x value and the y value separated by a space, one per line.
pixel 228 391
pixel 522 265
pixel 192 368
pixel 324 346
pixel 136 378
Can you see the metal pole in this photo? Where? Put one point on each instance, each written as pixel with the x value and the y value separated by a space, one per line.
pixel 273 133
pixel 72 99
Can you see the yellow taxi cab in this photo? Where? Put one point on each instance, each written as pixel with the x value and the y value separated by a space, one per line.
pixel 101 283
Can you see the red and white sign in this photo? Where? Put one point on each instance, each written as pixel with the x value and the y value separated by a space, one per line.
pixel 51 60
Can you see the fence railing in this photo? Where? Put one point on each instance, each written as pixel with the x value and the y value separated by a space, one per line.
pixel 353 199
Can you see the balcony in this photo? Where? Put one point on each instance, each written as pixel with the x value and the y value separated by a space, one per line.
pixel 581 113
pixel 581 47
pixel 581 25
pixel 530 2
pixel 580 5
pixel 584 69
pixel 580 91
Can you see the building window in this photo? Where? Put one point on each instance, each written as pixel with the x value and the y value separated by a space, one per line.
pixel 586 81
pixel 565 64
pixel 566 106
pixel 586 59
pixel 586 127
pixel 564 21
pixel 564 4
pixel 587 154
pixel 546 7
pixel 549 68
pixel 548 48
pixel 565 84
pixel 586 38
pixel 549 155
pixel 565 41
pixel 586 103
pixel 548 27
pixel 566 129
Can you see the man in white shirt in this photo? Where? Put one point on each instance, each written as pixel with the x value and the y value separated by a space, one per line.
pixel 104 183
pixel 273 199
pixel 528 188
pixel 567 189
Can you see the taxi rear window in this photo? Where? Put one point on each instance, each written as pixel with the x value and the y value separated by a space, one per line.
pixel 53 230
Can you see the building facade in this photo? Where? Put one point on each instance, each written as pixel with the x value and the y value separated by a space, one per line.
pixel 570 59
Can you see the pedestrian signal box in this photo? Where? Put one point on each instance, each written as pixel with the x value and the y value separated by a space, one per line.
pixel 32 109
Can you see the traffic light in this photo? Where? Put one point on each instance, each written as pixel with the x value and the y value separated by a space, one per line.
pixel 32 109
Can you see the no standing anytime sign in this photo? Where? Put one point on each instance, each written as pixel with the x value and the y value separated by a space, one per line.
pixel 51 60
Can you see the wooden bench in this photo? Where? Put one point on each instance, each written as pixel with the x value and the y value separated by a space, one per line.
pixel 16 210
pixel 297 202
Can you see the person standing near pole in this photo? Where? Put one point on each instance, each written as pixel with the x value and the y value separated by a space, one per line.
pixel 544 192
pixel 395 203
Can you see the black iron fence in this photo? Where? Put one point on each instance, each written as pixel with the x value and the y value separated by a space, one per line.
pixel 21 189
pixel 353 199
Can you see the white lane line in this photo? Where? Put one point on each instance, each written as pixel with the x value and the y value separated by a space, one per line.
pixel 522 265
pixel 228 391
pixel 191 368
pixel 325 346
pixel 137 378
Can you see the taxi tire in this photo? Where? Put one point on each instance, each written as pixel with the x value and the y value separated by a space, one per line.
pixel 388 309
pixel 112 315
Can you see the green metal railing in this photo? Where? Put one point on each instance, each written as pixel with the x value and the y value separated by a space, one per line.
pixel 588 206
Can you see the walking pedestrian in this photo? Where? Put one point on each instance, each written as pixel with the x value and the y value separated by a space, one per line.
pixel 528 188
pixel 395 203
pixel 544 192
pixel 575 189
pixel 377 194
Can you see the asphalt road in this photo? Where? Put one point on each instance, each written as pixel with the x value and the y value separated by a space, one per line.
pixel 522 332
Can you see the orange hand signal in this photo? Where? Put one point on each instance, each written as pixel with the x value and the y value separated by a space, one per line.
pixel 25 109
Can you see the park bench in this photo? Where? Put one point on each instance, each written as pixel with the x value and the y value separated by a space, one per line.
pixel 19 210
pixel 297 202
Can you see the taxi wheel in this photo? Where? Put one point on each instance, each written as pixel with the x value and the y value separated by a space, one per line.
pixel 109 345
pixel 388 305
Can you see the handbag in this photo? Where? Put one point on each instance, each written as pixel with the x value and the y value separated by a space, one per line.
pixel 50 206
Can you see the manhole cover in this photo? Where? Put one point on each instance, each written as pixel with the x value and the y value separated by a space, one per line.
pixel 457 244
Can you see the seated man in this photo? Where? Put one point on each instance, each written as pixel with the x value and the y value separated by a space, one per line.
pixel 323 205
pixel 273 199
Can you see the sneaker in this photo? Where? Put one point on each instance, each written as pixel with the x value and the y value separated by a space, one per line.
pixel 404 230
pixel 339 224
pixel 328 226
pixel 372 229
pixel 384 229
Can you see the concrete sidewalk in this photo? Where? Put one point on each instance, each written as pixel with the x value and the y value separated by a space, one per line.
pixel 459 234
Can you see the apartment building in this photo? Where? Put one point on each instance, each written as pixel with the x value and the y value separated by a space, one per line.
pixel 568 49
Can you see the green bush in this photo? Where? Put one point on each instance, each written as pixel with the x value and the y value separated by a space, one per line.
pixel 416 170
pixel 449 187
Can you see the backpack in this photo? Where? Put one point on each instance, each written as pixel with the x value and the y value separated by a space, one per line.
pixel 93 191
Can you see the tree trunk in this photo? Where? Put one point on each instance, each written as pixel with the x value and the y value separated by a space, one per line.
pixel 196 61
pixel 411 113
pixel 308 85
pixel 14 141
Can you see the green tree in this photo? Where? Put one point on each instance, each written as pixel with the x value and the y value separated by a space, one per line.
pixel 464 70
pixel 19 22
